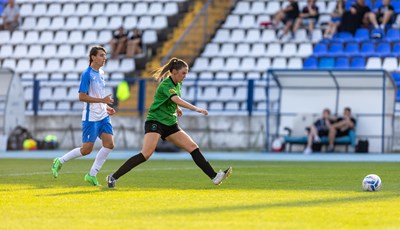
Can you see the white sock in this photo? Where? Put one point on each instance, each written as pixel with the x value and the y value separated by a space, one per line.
pixel 100 159
pixel 75 153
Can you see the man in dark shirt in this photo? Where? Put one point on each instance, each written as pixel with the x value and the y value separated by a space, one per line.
pixel 341 127
pixel 383 16
pixel 288 16
pixel 309 16
pixel 118 42
pixel 353 19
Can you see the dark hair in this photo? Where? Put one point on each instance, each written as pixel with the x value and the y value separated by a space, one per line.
pixel 173 64
pixel 93 52
pixel 347 109
pixel 327 110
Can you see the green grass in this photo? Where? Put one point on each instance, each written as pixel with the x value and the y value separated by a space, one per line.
pixel 177 195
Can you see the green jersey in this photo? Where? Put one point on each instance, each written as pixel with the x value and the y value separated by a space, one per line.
pixel 163 108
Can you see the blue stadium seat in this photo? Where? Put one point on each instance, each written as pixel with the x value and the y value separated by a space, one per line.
pixel 383 50
pixel 342 63
pixel 396 77
pixel 320 49
pixel 352 49
pixel 361 35
pixel 335 50
pixel 396 6
pixel 343 37
pixel 326 63
pixel 396 50
pixel 357 63
pixel 367 49
pixel 392 35
pixel 310 63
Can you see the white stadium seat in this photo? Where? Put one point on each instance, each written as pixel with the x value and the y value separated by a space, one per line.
pixel 149 37
pixel 112 9
pixel 54 10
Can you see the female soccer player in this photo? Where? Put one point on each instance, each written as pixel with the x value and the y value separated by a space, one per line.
pixel 95 117
pixel 162 122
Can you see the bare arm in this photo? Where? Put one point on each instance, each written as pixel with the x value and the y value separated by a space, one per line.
pixel 86 98
pixel 182 103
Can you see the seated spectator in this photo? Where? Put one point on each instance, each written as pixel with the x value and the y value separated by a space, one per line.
pixel 288 16
pixel 336 17
pixel 118 42
pixel 309 15
pixel 355 17
pixel 341 127
pixel 383 16
pixel 10 16
pixel 320 128
pixel 134 46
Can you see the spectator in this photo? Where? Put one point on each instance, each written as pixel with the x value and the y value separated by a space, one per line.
pixel 134 46
pixel 341 127
pixel 10 16
pixel 288 16
pixel 383 16
pixel 309 15
pixel 336 17
pixel 355 17
pixel 118 42
pixel 320 128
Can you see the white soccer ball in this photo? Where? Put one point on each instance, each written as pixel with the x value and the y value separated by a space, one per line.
pixel 372 183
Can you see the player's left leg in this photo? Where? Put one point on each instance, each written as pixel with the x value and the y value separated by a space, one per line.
pixel 184 141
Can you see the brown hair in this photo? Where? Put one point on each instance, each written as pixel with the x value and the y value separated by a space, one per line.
pixel 93 52
pixel 173 63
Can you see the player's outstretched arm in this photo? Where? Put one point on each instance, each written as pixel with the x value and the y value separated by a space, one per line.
pixel 182 103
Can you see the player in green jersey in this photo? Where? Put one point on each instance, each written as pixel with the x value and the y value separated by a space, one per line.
pixel 161 122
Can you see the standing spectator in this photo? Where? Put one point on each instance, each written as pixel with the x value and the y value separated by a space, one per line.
pixel 336 17
pixel 309 16
pixel 118 42
pixel 10 16
pixel 288 16
pixel 320 128
pixel 341 127
pixel 355 17
pixel 134 46
pixel 383 16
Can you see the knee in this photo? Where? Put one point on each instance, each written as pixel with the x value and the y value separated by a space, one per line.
pixel 192 147
pixel 86 150
pixel 147 153
pixel 109 145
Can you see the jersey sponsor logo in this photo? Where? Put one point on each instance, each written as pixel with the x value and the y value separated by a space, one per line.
pixel 154 127
pixel 172 91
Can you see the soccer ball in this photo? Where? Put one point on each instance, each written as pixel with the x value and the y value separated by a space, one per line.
pixel 372 183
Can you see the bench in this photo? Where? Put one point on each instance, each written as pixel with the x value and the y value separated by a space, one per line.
pixel 302 140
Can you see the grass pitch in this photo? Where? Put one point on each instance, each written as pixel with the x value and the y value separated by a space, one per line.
pixel 177 195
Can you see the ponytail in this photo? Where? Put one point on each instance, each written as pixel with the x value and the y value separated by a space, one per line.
pixel 174 63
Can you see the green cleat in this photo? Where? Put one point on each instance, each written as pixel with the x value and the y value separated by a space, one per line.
pixel 56 167
pixel 92 180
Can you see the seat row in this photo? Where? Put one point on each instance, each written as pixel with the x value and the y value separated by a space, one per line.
pixel 65 65
pixel 46 37
pixel 257 50
pixel 389 63
pixel 93 23
pixel 364 34
pixel 98 9
pixel 366 49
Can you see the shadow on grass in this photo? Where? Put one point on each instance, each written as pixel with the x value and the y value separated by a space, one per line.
pixel 290 204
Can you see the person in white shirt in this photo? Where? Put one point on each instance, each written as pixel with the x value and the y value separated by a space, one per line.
pixel 95 117
pixel 10 16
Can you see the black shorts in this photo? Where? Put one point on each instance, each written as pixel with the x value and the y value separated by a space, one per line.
pixel 323 133
pixel 340 133
pixel 163 130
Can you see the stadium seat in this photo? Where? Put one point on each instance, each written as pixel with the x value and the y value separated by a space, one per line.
pixel 272 7
pixel 361 35
pixel 392 35
pixel 342 63
pixel 43 23
pixel 383 50
pixel 335 50
pixel 49 51
pixel 232 64
pixel 326 63
pixel 289 50
pixel 262 64
pixel 274 50
pixel 17 37
pixel 35 51
pixel 211 50
pixel 352 49
pixel 390 64
pixel 39 9
pixel 279 63
pixel 258 50
pixel 170 8
pixel 396 50
pixel 241 7
pixel 343 37
pixel 227 50
pixel 221 36
pixel 23 65
pixel 253 35
pixel 295 63
pixel 257 8
pixel 6 51
pixel 217 64
pixel 374 63
pixel 310 63
pixel 237 35
pixel 357 63
pixel 126 9
pixel 20 51
pixel 242 50
pixel 268 36
pixel 231 22
pixel 248 21
pixel 248 64
pixel 320 49
pixel 82 9
pixel 367 49
pixel 305 50
pixel 130 22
